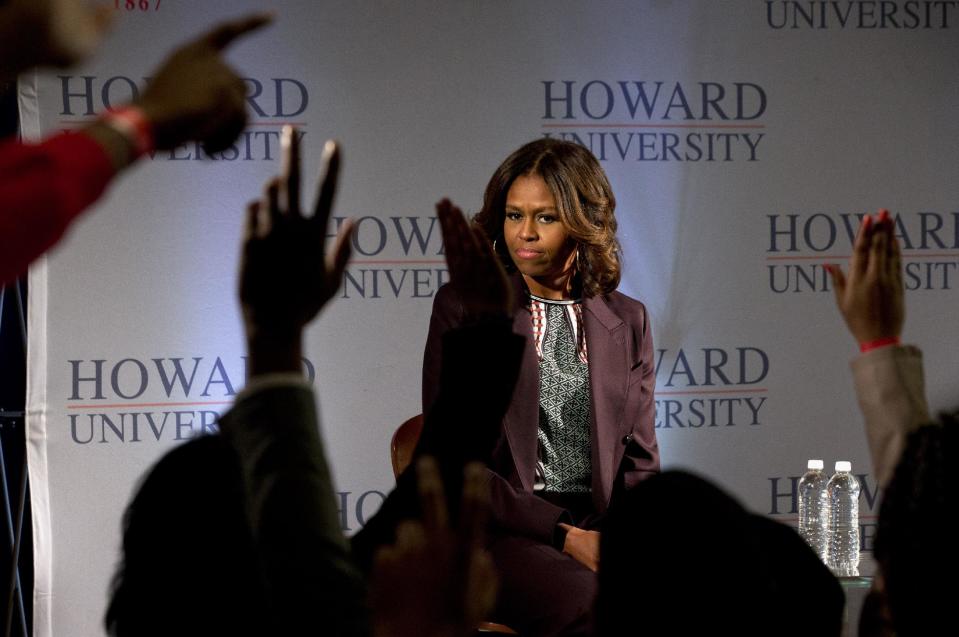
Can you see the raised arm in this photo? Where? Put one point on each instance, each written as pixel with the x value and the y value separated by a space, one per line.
pixel 475 372
pixel 888 376
pixel 286 277
pixel 469 374
pixel 871 298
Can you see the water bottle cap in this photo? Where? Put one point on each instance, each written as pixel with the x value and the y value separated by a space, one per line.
pixel 814 464
pixel 843 465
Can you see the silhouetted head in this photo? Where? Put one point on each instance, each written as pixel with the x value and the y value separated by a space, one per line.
pixel 679 556
pixel 915 542
pixel 188 565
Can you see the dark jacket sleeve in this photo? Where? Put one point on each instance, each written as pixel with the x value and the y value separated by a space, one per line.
pixel 293 515
pixel 517 512
pixel 641 455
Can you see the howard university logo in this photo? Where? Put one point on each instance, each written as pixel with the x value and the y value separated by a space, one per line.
pixel 658 120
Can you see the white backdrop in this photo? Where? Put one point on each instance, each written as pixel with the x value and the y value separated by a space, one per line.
pixel 742 139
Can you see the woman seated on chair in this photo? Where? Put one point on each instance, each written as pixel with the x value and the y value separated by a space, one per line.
pixel 579 430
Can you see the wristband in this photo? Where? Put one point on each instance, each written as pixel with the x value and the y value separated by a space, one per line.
pixel 132 123
pixel 868 346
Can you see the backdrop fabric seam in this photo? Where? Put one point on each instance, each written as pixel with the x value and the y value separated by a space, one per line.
pixel 37 409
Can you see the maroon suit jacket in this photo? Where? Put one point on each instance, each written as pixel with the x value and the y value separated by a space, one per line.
pixel 622 380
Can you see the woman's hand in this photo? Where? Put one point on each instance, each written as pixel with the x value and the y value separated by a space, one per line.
pixel 871 298
pixel 582 546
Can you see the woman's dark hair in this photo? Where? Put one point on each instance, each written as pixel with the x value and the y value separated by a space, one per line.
pixel 584 201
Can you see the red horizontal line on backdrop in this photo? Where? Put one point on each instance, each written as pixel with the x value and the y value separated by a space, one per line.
pixel 88 120
pixel 119 405
pixel 698 392
pixel 397 262
pixel 733 126
pixel 828 257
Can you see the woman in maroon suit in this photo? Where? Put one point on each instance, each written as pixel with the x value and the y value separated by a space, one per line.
pixel 579 430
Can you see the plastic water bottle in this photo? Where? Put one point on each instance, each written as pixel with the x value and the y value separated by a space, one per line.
pixel 813 508
pixel 842 550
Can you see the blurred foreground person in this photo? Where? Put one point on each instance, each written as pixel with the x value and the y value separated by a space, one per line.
pixel 194 95
pixel 915 542
pixel 716 569
pixel 264 552
pixel 55 33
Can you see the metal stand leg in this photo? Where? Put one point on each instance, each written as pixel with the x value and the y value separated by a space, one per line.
pixel 14 516
pixel 15 598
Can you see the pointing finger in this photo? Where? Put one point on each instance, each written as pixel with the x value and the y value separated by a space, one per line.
pixel 291 169
pixel 838 283
pixel 220 36
pixel 331 171
pixel 878 251
pixel 432 501
pixel 474 508
pixel 252 225
pixel 273 199
pixel 895 258
pixel 860 249
pixel 458 240
pixel 336 262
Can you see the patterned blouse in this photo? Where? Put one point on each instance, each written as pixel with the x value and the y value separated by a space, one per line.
pixel 564 397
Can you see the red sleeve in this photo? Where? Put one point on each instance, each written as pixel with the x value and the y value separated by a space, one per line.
pixel 43 187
